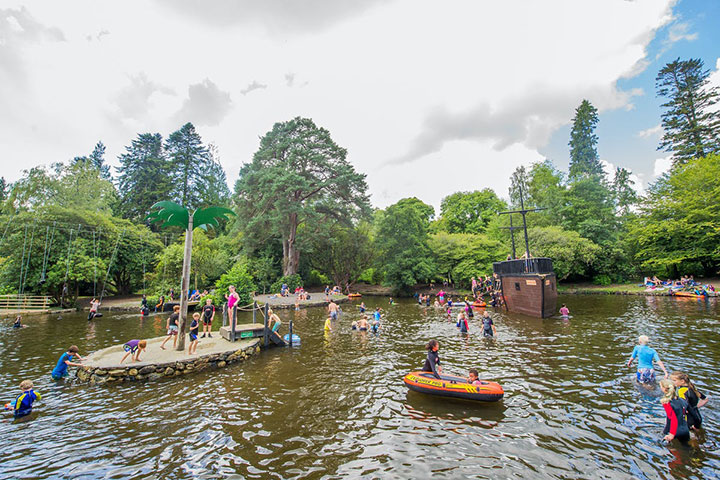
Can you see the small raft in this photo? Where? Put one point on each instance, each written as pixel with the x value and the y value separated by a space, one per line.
pixel 479 304
pixel 354 295
pixel 454 387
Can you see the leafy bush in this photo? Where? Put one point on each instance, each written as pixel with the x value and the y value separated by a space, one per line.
pixel 239 276
pixel 293 281
pixel 316 279
pixel 602 280
pixel 372 276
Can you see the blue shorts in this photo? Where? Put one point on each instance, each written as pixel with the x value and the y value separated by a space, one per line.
pixel 193 337
pixel 128 348
pixel 646 375
pixel 334 315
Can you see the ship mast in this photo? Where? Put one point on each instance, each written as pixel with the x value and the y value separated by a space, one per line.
pixel 523 211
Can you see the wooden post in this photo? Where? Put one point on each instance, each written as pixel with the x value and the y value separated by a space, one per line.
pixel 225 315
pixel 267 334
pixel 233 322
pixel 290 334
pixel 185 284
pixel 255 312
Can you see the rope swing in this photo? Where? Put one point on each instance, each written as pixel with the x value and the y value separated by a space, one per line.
pixel 112 258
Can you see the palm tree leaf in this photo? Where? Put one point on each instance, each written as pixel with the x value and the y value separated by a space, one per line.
pixel 170 214
pixel 207 217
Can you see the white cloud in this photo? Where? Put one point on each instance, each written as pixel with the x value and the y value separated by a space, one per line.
pixel 679 31
pixel 662 165
pixel 255 85
pixel 462 92
pixel 655 131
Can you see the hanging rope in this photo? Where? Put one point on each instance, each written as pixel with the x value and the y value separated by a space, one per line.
pixel 143 260
pixel 67 261
pixel 112 257
pixel 22 260
pixel 46 254
pixel 27 266
pixel 94 266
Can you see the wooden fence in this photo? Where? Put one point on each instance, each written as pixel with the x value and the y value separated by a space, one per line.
pixel 25 302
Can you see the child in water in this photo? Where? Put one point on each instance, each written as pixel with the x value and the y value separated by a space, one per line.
pixel 676 425
pixel 328 324
pixel 489 329
pixel 646 356
pixel 22 405
pixel 432 362
pixel 473 377
pixel 18 322
pixel 65 361
pixel 695 399
pixel 564 311
pixel 462 322
pixel 362 307
pixel 134 347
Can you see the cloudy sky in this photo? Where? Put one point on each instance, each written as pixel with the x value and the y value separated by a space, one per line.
pixel 428 97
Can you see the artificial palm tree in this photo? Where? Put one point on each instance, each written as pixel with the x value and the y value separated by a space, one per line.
pixel 172 214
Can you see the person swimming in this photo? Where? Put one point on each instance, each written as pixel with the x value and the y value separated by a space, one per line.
pixel 362 307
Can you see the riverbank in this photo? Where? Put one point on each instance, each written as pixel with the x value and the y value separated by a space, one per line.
pixel 623 288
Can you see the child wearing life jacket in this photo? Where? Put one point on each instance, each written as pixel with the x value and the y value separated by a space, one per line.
pixel 695 399
pixel 676 425
pixel 22 405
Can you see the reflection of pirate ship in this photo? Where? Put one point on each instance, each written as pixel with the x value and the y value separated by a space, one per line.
pixel 528 285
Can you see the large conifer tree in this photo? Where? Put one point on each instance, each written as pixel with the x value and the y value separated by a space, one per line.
pixel 190 161
pixel 584 160
pixel 145 176
pixel 692 128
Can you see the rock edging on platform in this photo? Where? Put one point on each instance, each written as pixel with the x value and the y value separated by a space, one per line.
pixel 118 374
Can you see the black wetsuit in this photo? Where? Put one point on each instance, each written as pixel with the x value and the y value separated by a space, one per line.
pixel 676 421
pixel 694 418
pixel 487 326
pixel 431 363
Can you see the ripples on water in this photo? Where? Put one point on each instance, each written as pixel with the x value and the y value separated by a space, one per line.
pixel 336 406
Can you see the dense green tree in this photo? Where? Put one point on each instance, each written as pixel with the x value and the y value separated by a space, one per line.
pixel 344 253
pixel 584 160
pixel 299 178
pixel 545 189
pixel 76 185
pixel 194 170
pixel 691 126
pixel 461 256
pixel 74 247
pixel 623 191
pixel 678 228
pixel 145 176
pixel 572 255
pixel 240 277
pixel 518 183
pixel 469 212
pixel 589 210
pixel 402 244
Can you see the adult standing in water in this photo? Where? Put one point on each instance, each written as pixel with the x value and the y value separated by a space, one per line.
pixel 489 329
pixel 232 299
pixel 646 356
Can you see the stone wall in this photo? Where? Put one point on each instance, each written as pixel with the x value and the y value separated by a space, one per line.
pixel 117 374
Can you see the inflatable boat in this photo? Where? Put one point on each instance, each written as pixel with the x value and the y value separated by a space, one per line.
pixel 454 387
pixel 354 295
pixel 479 304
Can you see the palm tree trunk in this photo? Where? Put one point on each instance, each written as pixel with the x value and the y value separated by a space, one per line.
pixel 184 287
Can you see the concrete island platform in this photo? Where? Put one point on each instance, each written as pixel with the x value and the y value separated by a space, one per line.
pixel 104 366
pixel 317 299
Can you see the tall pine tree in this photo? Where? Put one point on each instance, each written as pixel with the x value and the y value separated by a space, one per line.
pixel 584 160
pixel 97 160
pixel 692 128
pixel 191 160
pixel 145 176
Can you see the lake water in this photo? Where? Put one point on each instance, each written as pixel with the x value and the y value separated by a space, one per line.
pixel 336 406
